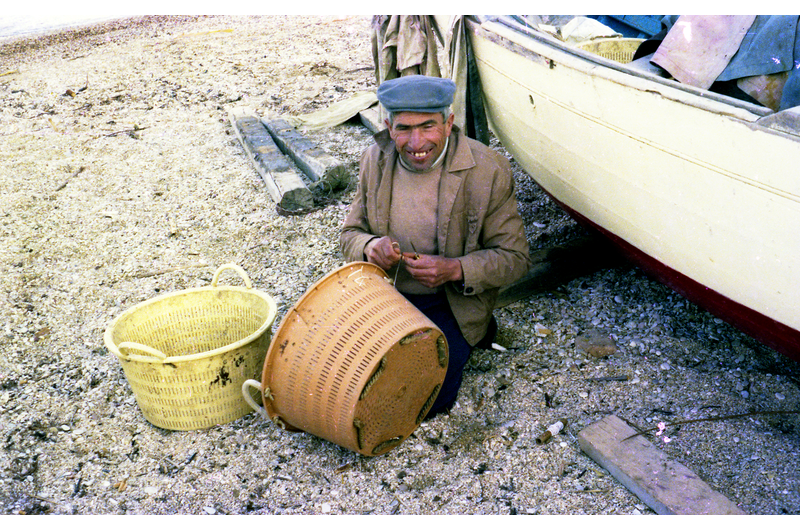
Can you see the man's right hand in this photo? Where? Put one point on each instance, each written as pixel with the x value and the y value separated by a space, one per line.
pixel 383 252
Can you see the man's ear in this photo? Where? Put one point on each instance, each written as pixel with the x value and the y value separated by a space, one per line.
pixel 448 125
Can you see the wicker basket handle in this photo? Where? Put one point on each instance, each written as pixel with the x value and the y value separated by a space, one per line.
pixel 246 386
pixel 150 351
pixel 240 271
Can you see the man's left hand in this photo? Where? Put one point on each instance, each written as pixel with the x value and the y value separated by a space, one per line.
pixel 432 271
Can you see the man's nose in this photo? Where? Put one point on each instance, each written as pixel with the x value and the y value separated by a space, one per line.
pixel 417 139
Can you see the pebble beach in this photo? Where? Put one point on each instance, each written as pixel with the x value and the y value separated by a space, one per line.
pixel 123 180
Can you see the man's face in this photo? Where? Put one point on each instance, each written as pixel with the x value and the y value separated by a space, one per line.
pixel 420 137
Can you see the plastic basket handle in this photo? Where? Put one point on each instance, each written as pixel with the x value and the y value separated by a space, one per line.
pixel 149 350
pixel 246 386
pixel 240 271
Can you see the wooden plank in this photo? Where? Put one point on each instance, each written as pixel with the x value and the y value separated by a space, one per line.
pixel 284 185
pixel 321 167
pixel 666 486
pixel 371 119
pixel 787 121
pixel 559 264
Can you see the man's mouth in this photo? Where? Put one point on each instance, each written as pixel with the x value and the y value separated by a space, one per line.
pixel 418 155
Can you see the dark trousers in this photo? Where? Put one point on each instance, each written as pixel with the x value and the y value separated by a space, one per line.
pixel 436 308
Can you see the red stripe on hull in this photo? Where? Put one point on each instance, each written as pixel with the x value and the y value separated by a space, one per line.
pixel 770 332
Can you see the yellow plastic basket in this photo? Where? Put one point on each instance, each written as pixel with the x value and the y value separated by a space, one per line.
pixel 187 354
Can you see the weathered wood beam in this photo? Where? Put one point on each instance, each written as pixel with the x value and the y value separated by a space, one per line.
pixel 557 265
pixel 284 184
pixel 787 121
pixel 668 487
pixel 371 119
pixel 320 166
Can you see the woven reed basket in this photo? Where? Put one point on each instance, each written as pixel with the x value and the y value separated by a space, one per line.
pixel 619 49
pixel 187 354
pixel 352 362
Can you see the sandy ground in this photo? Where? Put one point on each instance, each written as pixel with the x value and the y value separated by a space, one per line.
pixel 122 180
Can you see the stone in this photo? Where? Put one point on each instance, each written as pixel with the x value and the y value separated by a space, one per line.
pixel 595 343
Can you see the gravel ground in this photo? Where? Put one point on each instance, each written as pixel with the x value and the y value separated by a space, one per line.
pixel 122 180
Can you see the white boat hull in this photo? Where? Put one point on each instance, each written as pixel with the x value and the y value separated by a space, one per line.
pixel 690 186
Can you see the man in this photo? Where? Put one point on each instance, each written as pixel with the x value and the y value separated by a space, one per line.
pixel 437 210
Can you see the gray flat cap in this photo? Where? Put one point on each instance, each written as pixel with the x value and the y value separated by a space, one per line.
pixel 416 93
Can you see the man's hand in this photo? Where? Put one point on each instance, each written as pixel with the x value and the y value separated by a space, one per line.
pixel 383 252
pixel 433 271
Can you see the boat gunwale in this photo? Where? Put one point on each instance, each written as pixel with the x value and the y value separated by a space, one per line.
pixel 501 29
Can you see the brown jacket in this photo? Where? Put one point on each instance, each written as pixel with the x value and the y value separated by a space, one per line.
pixel 478 222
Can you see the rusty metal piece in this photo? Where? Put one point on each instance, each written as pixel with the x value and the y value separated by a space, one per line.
pixel 551 431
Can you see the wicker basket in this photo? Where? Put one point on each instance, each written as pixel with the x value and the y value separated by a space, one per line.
pixel 187 354
pixel 620 50
pixel 353 362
